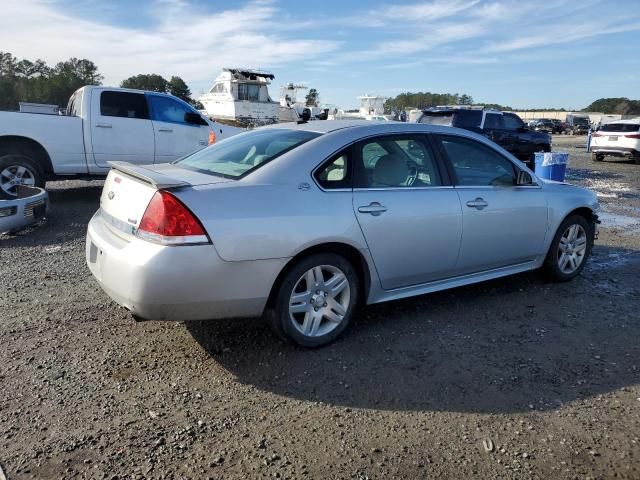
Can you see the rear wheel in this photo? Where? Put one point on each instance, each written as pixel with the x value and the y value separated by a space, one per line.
pixel 569 249
pixel 17 169
pixel 597 157
pixel 316 300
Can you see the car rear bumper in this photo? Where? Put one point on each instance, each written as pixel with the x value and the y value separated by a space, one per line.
pixel 31 205
pixel 156 282
pixel 615 151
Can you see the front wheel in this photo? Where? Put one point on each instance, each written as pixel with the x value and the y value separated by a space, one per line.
pixel 569 249
pixel 597 157
pixel 316 300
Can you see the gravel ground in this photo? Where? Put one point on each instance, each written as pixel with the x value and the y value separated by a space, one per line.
pixel 514 378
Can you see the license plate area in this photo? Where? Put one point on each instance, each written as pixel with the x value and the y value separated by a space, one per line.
pixel 613 138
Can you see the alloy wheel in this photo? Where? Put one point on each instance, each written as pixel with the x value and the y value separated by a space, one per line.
pixel 15 175
pixel 572 249
pixel 319 301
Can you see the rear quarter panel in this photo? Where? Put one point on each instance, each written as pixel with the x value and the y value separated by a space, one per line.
pixel 256 222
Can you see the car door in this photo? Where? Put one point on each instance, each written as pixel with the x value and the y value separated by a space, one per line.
pixel 503 223
pixel 494 130
pixel 518 139
pixel 175 137
pixel 409 213
pixel 120 128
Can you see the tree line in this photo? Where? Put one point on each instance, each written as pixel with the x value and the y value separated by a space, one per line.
pixel 616 105
pixel 35 81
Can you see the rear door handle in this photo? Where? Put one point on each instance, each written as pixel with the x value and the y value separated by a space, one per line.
pixel 374 208
pixel 103 125
pixel 478 203
pixel 165 129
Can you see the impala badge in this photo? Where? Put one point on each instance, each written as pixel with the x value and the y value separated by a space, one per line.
pixel 110 195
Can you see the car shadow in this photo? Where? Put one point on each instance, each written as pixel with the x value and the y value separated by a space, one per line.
pixel 70 209
pixel 508 345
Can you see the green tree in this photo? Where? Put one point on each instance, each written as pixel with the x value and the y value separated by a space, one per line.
pixel 178 88
pixel 312 98
pixel 150 82
pixel 615 105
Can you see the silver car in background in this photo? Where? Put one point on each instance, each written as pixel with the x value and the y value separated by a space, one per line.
pixel 302 223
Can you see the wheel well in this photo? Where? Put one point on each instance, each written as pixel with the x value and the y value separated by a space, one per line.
pixel 349 252
pixel 585 212
pixel 26 146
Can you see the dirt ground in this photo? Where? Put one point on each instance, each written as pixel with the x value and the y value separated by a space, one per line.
pixel 514 378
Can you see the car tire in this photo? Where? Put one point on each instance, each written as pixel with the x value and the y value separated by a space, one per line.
pixel 315 300
pixel 28 171
pixel 569 250
pixel 597 157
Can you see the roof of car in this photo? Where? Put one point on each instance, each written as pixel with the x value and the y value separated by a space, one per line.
pixel 326 126
pixel 632 121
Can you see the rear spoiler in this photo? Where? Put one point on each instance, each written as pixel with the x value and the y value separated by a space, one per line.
pixel 157 179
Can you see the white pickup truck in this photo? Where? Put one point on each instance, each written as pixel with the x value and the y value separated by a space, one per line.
pixel 101 124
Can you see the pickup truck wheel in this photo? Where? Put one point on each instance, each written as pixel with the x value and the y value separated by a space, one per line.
pixel 16 169
pixel 597 157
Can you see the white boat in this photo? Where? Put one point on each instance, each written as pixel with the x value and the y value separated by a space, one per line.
pixel 371 108
pixel 292 109
pixel 241 95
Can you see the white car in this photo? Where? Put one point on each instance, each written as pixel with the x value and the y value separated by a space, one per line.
pixel 618 139
pixel 101 124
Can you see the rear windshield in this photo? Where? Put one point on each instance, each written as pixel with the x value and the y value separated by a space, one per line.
pixel 620 127
pixel 466 119
pixel 437 118
pixel 244 153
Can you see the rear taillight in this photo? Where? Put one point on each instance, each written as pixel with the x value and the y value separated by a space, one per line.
pixel 168 221
pixel 212 137
pixel 597 134
pixel 633 135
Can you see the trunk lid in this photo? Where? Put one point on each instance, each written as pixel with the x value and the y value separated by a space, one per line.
pixel 129 188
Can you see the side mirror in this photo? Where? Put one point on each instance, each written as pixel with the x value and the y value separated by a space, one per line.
pixel 524 178
pixel 194 118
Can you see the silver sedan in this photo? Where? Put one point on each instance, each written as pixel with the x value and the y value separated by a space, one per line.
pixel 301 223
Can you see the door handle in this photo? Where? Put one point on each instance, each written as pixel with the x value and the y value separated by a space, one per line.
pixel 478 203
pixel 165 129
pixel 374 208
pixel 103 125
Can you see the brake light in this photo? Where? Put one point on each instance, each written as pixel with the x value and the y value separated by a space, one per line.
pixel 212 137
pixel 597 134
pixel 167 221
pixel 633 135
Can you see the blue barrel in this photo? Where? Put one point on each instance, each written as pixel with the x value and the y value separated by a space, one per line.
pixel 551 165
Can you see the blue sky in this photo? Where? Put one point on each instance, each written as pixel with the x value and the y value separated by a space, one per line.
pixel 555 53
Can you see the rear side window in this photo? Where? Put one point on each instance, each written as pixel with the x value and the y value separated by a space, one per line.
pixel 469 119
pixel 476 164
pixel 165 109
pixel 241 154
pixel 336 173
pixel 620 127
pixel 123 104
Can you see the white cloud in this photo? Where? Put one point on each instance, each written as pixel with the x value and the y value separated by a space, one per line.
pixel 192 44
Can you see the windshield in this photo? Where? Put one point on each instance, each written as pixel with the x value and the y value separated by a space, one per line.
pixel 580 121
pixel 620 127
pixel 241 154
pixel 431 118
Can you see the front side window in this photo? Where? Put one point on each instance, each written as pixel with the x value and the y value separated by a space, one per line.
pixel 123 104
pixel 241 154
pixel 336 173
pixel 392 162
pixel 165 109
pixel 493 120
pixel 468 119
pixel 476 164
pixel 512 122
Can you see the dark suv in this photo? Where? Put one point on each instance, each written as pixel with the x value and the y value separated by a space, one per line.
pixel 504 128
